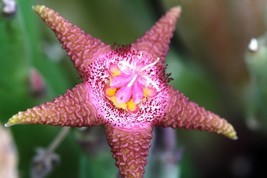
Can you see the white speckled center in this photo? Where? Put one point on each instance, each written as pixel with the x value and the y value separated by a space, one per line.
pixel 151 109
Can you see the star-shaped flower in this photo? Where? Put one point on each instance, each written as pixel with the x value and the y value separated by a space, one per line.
pixel 125 89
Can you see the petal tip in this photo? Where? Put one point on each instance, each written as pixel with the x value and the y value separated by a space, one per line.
pixel 176 9
pixel 10 123
pixel 14 120
pixel 232 135
pixel 7 125
pixel 235 138
pixel 230 132
pixel 38 8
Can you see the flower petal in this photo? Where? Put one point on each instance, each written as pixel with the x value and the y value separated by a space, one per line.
pixel 124 94
pixel 156 41
pixel 182 113
pixel 72 109
pixel 120 81
pixel 138 93
pixel 130 148
pixel 81 47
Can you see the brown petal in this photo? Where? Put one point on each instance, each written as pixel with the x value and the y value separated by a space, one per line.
pixel 81 47
pixel 183 113
pixel 156 41
pixel 130 148
pixel 72 109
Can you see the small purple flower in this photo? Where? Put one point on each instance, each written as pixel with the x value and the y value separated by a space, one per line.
pixel 125 89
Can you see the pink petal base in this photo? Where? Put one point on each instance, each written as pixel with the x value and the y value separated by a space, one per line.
pixel 130 149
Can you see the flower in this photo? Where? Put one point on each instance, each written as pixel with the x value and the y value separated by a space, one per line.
pixel 124 88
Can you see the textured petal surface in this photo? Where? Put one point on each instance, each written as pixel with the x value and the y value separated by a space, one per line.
pixel 130 148
pixel 81 47
pixel 183 113
pixel 71 109
pixel 156 41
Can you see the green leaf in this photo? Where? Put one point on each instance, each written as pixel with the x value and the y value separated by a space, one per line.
pixel 99 165
pixel 15 61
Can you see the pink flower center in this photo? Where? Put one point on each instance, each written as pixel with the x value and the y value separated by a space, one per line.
pixel 130 83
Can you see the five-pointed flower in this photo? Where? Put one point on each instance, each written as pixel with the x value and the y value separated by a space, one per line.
pixel 125 89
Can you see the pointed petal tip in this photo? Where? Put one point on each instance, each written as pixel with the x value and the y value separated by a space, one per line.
pixel 19 118
pixel 228 132
pixel 12 121
pixel 38 8
pixel 232 135
pixel 174 12
pixel 177 10
pixel 7 125
pixel 235 138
